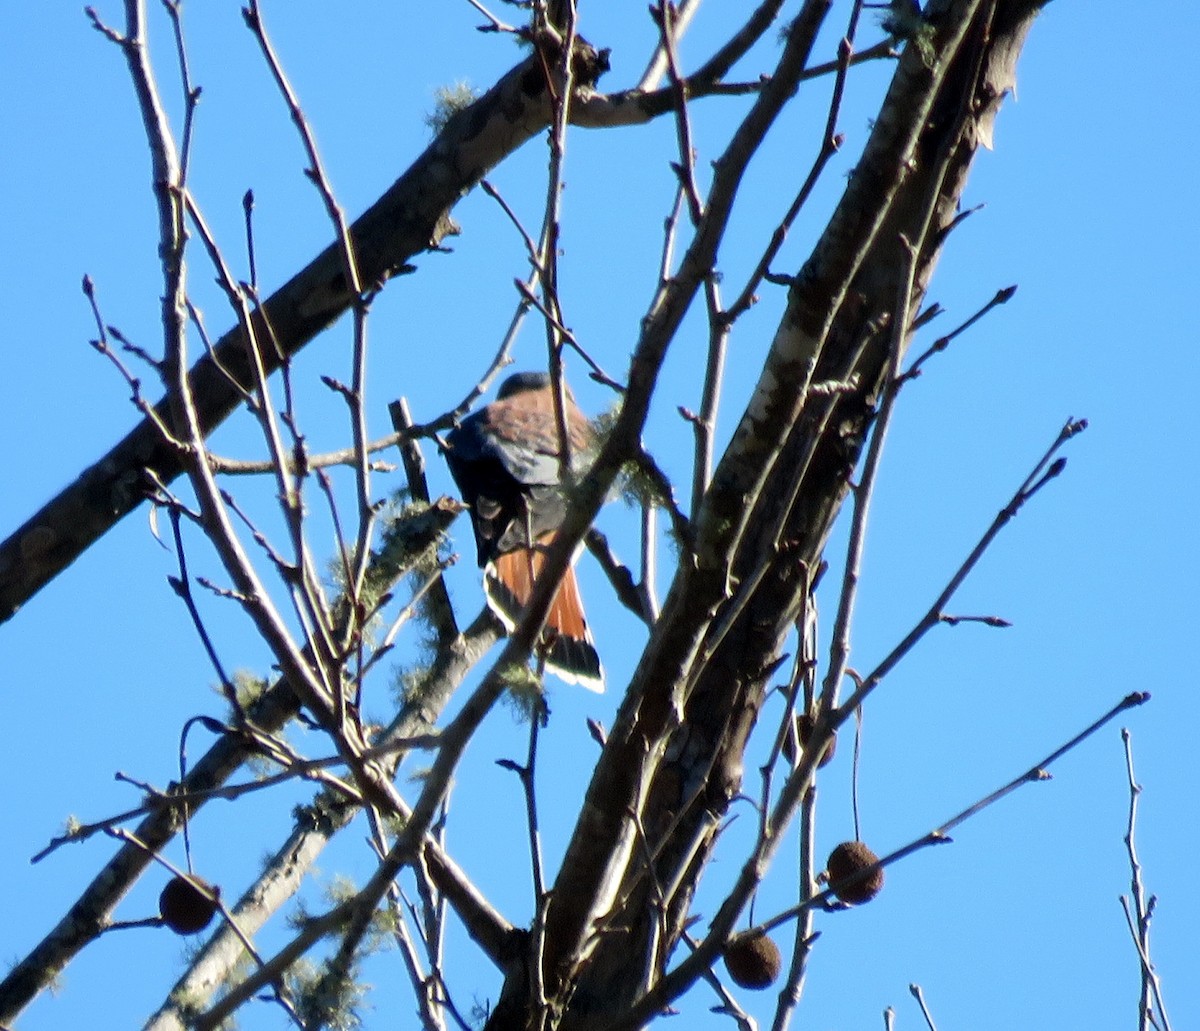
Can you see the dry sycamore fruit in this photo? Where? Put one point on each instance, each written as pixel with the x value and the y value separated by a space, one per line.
pixel 753 961
pixel 846 861
pixel 187 904
pixel 804 729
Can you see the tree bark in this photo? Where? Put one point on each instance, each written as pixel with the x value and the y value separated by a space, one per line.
pixel 675 754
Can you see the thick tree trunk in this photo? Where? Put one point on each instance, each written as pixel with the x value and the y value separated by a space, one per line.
pixel 680 781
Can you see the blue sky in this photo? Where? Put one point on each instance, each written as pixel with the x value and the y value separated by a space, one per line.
pixel 1090 209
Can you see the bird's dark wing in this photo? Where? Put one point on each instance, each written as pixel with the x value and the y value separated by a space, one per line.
pixel 505 461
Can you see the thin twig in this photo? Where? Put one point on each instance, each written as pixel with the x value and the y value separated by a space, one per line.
pixel 101 345
pixel 620 578
pixel 839 651
pixel 1047 468
pixel 942 342
pixel 670 231
pixel 802 690
pixel 1150 997
pixel 854 770
pixel 494 23
pixel 248 214
pixel 356 398
pixel 191 94
pixel 831 142
pixel 560 82
pixel 211 895
pixel 941 834
pixel 729 1005
pixel 647 592
pixel 656 67
pixel 182 586
pixel 293 768
pixel 531 247
pixel 665 18
pixel 917 994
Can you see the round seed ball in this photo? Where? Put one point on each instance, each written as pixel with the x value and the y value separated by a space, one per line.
pixel 753 961
pixel 847 861
pixel 185 904
pixel 804 729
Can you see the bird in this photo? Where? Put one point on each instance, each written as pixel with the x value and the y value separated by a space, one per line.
pixel 506 461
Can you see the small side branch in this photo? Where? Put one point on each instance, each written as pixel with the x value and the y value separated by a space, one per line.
pixel 940 835
pixel 1047 468
pixel 1152 1013
pixel 942 342
pixel 919 995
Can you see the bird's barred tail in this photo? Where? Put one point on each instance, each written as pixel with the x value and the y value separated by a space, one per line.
pixel 508 583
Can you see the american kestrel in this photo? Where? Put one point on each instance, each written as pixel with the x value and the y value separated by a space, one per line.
pixel 505 460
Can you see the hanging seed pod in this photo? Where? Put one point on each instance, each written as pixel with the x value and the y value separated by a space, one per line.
pixel 187 904
pixel 846 864
pixel 753 961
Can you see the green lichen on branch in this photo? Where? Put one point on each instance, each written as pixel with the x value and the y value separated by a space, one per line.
pixel 903 21
pixel 325 999
pixel 524 694
pixel 447 102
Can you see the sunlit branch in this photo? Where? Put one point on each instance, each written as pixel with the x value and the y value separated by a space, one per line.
pixel 1152 1011
pixel 1047 469
pixel 839 651
pixel 919 995
pixel 942 342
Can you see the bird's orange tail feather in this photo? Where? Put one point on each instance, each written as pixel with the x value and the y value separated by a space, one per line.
pixel 508 583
